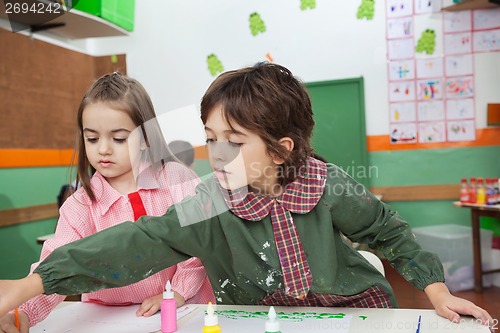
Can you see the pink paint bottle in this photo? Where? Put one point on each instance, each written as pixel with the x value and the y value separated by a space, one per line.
pixel 168 310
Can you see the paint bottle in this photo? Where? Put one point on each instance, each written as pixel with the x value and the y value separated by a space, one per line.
pixel 211 321
pixel 168 310
pixel 481 192
pixel 464 191
pixel 491 196
pixel 272 325
pixel 472 190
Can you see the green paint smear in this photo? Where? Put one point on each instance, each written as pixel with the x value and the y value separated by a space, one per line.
pixel 294 316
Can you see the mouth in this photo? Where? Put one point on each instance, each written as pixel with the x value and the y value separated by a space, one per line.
pixel 105 163
pixel 221 173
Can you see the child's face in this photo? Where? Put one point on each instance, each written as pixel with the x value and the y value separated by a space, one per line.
pixel 107 137
pixel 239 157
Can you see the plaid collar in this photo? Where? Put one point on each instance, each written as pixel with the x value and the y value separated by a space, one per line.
pixel 300 196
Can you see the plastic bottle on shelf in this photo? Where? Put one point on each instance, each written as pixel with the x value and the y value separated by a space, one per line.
pixel 496 186
pixel 464 191
pixel 497 190
pixel 491 197
pixel 472 190
pixel 481 192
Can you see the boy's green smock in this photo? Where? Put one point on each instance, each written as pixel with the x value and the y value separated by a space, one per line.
pixel 240 256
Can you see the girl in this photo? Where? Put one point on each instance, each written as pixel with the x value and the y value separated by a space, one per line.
pixel 268 226
pixel 121 177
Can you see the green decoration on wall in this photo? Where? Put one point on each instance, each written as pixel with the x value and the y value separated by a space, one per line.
pixel 214 64
pixel 366 10
pixel 256 24
pixel 307 4
pixel 427 42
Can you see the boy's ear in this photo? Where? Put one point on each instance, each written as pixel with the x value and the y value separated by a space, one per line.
pixel 288 144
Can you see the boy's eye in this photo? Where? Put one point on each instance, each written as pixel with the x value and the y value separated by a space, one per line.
pixel 235 144
pixel 92 140
pixel 209 140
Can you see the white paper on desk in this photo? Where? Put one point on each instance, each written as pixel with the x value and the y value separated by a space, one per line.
pixel 89 317
pixel 252 322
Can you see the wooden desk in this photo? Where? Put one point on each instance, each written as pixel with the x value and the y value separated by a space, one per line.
pixel 476 212
pixel 85 317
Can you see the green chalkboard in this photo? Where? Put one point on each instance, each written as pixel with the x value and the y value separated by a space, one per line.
pixel 339 135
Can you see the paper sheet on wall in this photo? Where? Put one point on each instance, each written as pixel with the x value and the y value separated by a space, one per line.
pixel 88 317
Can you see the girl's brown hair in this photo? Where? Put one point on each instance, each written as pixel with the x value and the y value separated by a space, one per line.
pixel 125 94
pixel 268 100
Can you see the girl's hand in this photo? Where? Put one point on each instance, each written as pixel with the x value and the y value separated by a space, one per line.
pixel 152 305
pixel 8 323
pixel 451 307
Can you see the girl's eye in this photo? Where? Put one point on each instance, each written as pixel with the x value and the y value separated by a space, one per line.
pixel 120 140
pixel 92 140
pixel 209 140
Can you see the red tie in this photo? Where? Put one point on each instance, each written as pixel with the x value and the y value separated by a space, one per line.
pixel 137 205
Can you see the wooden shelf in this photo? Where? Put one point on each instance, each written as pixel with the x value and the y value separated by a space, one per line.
pixel 471 4
pixel 77 24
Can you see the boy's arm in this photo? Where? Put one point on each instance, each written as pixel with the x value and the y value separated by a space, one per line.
pixel 15 292
pixel 450 307
pixel 131 251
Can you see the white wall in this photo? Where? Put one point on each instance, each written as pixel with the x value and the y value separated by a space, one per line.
pixel 172 38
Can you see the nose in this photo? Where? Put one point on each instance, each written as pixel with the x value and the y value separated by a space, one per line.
pixel 104 147
pixel 223 152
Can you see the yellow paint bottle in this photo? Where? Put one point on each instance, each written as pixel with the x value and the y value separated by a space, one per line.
pixel 211 321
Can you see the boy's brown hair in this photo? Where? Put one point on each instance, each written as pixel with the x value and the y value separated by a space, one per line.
pixel 268 100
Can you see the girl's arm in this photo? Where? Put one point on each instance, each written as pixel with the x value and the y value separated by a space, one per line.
pixel 189 278
pixel 74 223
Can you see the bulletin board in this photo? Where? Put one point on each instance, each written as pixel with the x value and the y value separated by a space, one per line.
pixel 41 86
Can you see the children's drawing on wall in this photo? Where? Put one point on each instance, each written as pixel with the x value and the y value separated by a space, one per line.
pixel 366 10
pixel 458 43
pixel 459 65
pixel 214 65
pixel 403 133
pixel 464 130
pixel 307 4
pixel 401 91
pixel 431 111
pixel 486 19
pixel 257 25
pixel 427 6
pixel 431 132
pixel 458 21
pixel 429 89
pixel 460 108
pixel 429 67
pixel 427 42
pixel 400 48
pixel 402 112
pixel 460 87
pixel 401 70
pixel 400 27
pixel 398 8
pixel 486 41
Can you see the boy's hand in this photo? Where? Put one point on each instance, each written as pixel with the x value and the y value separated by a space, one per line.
pixel 451 307
pixel 8 323
pixel 152 305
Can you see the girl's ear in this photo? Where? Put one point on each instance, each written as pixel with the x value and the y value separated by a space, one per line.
pixel 288 144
